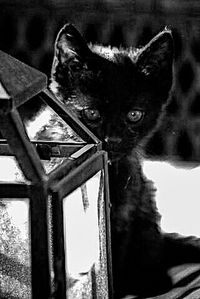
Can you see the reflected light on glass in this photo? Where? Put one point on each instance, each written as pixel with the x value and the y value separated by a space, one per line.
pixel 15 274
pixel 81 228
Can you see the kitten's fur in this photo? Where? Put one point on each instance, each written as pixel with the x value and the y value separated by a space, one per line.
pixel 119 94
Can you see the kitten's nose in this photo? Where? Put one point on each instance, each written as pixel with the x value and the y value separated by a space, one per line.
pixel 112 143
pixel 112 140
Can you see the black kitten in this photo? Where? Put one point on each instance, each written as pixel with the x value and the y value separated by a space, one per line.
pixel 119 94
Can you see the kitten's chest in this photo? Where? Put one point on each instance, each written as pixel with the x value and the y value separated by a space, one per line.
pixel 126 184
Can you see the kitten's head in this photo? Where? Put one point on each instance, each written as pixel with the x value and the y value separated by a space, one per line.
pixel 117 93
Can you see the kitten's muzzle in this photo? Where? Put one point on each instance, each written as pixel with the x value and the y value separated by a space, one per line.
pixel 112 144
pixel 116 148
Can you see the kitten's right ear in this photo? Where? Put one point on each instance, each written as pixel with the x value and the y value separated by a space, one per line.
pixel 156 58
pixel 70 45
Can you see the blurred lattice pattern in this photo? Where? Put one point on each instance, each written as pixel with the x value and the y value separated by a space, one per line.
pixel 28 30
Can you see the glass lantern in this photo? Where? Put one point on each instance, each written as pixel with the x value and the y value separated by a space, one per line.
pixel 61 190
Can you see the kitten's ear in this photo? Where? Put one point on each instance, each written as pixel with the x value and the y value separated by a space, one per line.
pixel 157 56
pixel 70 45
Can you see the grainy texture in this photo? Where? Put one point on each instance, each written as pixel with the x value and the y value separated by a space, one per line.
pixel 120 95
pixel 28 30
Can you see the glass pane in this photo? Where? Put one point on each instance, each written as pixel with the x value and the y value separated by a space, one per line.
pixel 48 125
pixel 15 256
pixel 85 237
pixel 51 164
pixel 10 171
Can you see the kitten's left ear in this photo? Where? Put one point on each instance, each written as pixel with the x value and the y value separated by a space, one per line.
pixel 157 56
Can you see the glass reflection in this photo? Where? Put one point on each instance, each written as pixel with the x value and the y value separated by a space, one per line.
pixel 15 256
pixel 50 126
pixel 84 229
pixel 10 171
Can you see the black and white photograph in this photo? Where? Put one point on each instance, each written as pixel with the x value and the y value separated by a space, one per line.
pixel 100 149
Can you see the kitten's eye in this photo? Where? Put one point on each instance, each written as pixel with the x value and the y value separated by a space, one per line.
pixel 91 114
pixel 135 116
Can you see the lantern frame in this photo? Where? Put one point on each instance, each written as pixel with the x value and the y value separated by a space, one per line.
pixel 18 84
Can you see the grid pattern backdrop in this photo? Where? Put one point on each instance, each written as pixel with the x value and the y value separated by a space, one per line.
pixel 28 30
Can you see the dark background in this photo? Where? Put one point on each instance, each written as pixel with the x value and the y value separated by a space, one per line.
pixel 28 30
